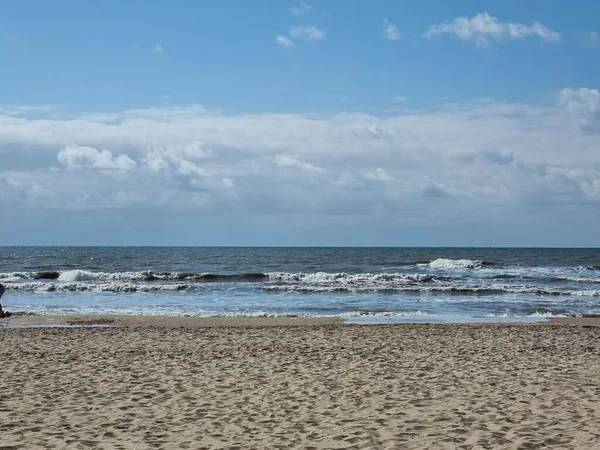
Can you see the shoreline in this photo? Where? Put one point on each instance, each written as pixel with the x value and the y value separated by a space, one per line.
pixel 166 321
pixel 163 321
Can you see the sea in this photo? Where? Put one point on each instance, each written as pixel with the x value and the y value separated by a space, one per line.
pixel 364 285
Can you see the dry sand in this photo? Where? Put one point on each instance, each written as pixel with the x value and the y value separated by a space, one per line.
pixel 304 386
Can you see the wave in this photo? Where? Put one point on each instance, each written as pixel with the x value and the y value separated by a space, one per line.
pixel 404 264
pixel 484 282
pixel 121 287
pixel 77 275
pixel 144 275
pixel 96 287
pixel 576 279
pixel 544 277
pixel 443 263
pixel 15 276
pixel 345 278
pixel 82 275
pixel 433 289
pixel 508 276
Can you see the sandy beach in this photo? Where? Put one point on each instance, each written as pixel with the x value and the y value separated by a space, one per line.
pixel 262 383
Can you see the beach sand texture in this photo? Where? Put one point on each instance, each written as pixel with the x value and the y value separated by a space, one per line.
pixel 307 386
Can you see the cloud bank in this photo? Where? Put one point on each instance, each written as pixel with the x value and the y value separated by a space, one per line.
pixel 480 159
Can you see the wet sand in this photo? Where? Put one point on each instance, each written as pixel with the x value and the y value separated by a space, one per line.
pixel 115 320
pixel 186 383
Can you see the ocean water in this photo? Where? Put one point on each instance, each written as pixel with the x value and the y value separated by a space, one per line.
pixel 361 284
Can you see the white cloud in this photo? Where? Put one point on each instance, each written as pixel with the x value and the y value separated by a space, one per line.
pixel 189 168
pixel 308 33
pixel 484 29
pixel 290 161
pixel 78 157
pixel 390 31
pixel 228 182
pixel 157 48
pixel 378 175
pixel 584 105
pixel 300 10
pixel 482 158
pixel 285 41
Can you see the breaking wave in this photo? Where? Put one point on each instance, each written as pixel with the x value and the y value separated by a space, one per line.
pixel 484 282
pixel 577 279
pixel 545 277
pixel 148 275
pixel 433 289
pixel 88 278
pixel 442 263
pixel 97 287
pixel 304 288
pixel 345 278
pixel 140 276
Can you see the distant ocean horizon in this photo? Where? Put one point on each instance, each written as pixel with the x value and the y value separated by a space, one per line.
pixel 460 247
pixel 366 284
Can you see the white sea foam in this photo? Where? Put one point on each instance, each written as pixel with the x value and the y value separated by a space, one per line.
pixel 442 263
pixel 142 276
pixel 547 315
pixel 80 275
pixel 590 293
pixel 12 277
pixel 543 274
pixel 344 278
pixel 432 289
pixel 578 279
pixel 84 275
pixel 386 314
pixel 162 312
pixel 317 282
pixel 534 315
pixel 257 314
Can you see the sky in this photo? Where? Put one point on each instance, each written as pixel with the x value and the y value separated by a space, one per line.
pixel 325 123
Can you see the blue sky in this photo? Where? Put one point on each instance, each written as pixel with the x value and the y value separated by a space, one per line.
pixel 223 54
pixel 281 123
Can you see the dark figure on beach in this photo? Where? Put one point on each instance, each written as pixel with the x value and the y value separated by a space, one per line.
pixel 2 313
